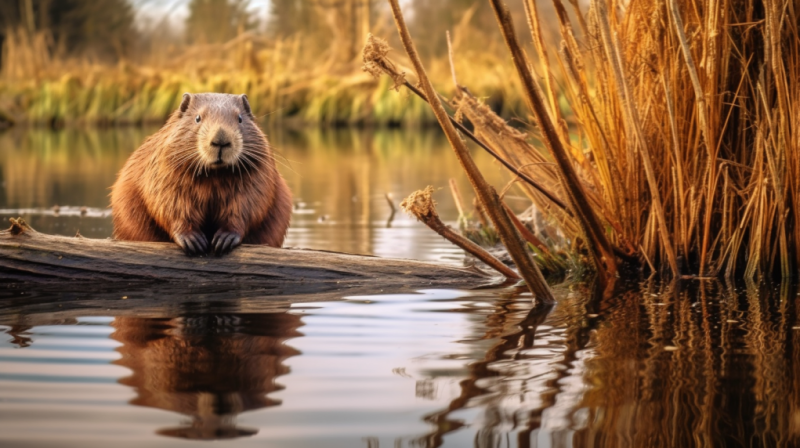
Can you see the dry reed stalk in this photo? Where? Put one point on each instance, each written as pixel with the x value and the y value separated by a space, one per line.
pixel 702 113
pixel 612 53
pixel 527 235
pixel 538 40
pixel 376 62
pixel 596 239
pixel 457 199
pixel 481 213
pixel 488 196
pixel 421 205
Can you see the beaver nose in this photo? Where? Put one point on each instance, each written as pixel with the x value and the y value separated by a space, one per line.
pixel 221 140
pixel 221 143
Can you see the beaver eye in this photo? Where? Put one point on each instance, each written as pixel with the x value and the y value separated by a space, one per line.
pixel 240 118
pixel 197 119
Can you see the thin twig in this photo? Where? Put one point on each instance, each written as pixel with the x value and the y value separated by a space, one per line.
pixel 457 198
pixel 452 61
pixel 388 197
pixel 389 200
pixel 422 206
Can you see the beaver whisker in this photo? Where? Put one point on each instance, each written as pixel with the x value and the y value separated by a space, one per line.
pixel 249 162
pixel 175 164
pixel 197 164
pixel 183 154
pixel 271 159
pixel 245 152
pixel 273 152
pixel 196 171
pixel 246 170
pixel 269 156
pixel 186 171
pixel 255 158
pixel 260 156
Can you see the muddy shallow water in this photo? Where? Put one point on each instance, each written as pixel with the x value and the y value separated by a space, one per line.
pixel 699 364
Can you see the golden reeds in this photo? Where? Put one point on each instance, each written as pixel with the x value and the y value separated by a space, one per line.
pixel 682 152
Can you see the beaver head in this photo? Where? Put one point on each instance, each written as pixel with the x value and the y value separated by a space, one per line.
pixel 219 124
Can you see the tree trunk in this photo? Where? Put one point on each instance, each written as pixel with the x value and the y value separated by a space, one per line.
pixel 30 256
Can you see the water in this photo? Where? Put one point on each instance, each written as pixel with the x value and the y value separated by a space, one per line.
pixel 697 365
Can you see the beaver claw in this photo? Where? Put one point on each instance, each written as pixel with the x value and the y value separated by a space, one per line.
pixel 193 243
pixel 225 241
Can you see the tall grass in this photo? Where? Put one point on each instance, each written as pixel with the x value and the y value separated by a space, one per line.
pixel 286 79
pixel 684 140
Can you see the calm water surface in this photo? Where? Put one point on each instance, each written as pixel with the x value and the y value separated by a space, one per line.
pixel 701 365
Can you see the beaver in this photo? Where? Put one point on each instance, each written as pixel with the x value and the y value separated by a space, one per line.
pixel 208 175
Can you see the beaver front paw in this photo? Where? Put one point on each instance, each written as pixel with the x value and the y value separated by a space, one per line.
pixel 193 243
pixel 224 241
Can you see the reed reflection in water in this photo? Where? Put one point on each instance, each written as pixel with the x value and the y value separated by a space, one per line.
pixel 655 366
pixel 662 366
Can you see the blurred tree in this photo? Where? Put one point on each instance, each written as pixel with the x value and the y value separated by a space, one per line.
pixel 430 19
pixel 340 26
pixel 288 17
pixel 216 21
pixel 100 28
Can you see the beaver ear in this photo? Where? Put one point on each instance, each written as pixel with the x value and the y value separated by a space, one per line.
pixel 246 104
pixel 187 98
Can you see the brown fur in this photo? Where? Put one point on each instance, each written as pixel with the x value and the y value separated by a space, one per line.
pixel 178 186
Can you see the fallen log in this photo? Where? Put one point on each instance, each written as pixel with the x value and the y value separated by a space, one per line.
pixel 30 256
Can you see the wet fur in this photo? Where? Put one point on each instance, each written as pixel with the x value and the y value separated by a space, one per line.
pixel 167 190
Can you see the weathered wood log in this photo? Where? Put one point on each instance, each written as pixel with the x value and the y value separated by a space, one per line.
pixel 30 256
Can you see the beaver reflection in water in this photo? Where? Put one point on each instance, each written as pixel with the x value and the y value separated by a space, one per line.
pixel 208 175
pixel 211 367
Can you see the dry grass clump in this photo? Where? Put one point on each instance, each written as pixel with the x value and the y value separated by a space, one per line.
pixel 421 204
pixel 683 153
